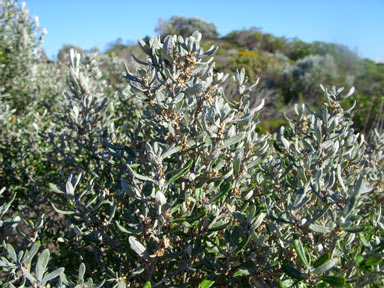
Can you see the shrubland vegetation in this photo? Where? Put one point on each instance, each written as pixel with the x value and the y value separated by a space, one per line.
pixel 290 70
pixel 180 175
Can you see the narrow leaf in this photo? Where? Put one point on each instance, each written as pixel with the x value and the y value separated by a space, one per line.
pixel 340 178
pixel 138 176
pixel 322 259
pixel 121 228
pixel 233 140
pixel 121 284
pixel 69 190
pixel 55 189
pixel 61 211
pixel 371 261
pixel 319 229
pixel 293 272
pixel 223 191
pixel 206 283
pixel 210 51
pixel 325 267
pixel 242 244
pixel 81 272
pixel 259 107
pixel 259 220
pixel 53 274
pixel 28 275
pixel 11 252
pixel 171 151
pixel 41 265
pixel 334 280
pixel 28 259
pixel 137 246
pixel 147 285
pixel 301 252
pixel 180 172
pixel 192 218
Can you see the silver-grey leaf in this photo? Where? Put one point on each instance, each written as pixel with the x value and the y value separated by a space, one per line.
pixel 325 267
pixel 137 246
pixel 41 265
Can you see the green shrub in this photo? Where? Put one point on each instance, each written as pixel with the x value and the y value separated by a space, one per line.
pixel 185 26
pixel 20 51
pixel 28 87
pixel 187 192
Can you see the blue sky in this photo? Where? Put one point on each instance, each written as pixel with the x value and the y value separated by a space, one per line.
pixel 356 23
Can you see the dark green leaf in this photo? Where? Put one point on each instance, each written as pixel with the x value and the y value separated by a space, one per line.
pixel 355 229
pixel 277 146
pixel 112 146
pixel 293 272
pixel 322 259
pixel 219 225
pixel 224 189
pixel 371 261
pixel 300 199
pixel 192 218
pixel 123 229
pixel 350 206
pixel 181 172
pixel 242 244
pixel 301 252
pixel 359 260
pixel 364 241
pixel 335 281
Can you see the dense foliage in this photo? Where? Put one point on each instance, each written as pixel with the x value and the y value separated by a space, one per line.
pixel 290 70
pixel 164 178
pixel 185 27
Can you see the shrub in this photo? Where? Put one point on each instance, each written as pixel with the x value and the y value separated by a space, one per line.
pixel 20 51
pixel 188 193
pixel 28 87
pixel 185 26
pixel 303 78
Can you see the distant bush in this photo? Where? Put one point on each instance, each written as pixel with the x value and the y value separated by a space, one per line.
pixel 301 80
pixel 186 26
pixel 254 62
pixel 20 51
